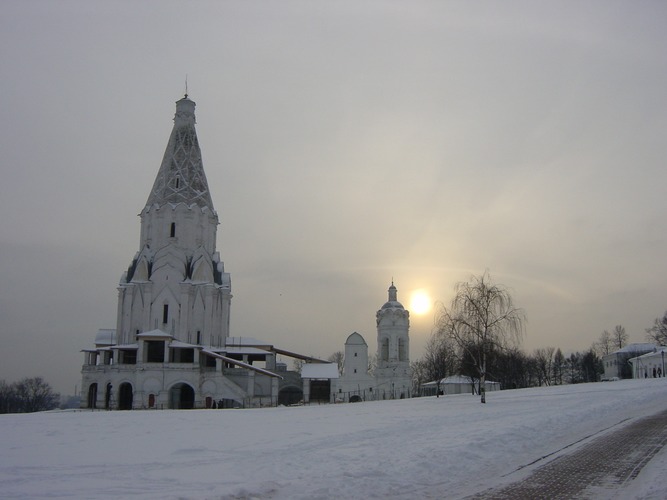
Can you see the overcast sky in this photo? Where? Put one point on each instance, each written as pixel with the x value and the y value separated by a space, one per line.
pixel 345 144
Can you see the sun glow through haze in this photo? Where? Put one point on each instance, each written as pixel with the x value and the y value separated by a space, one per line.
pixel 420 302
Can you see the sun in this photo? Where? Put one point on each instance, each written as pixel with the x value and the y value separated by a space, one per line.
pixel 420 302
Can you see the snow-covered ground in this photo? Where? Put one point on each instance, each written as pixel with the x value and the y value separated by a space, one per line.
pixel 445 447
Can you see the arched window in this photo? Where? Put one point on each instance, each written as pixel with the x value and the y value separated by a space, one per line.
pixel 402 355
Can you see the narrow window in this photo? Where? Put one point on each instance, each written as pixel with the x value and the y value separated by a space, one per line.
pixel 172 231
pixel 165 314
pixel 198 337
pixel 178 182
pixel 355 354
pixel 355 370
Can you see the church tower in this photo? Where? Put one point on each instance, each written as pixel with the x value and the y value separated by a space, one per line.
pixel 176 284
pixel 393 361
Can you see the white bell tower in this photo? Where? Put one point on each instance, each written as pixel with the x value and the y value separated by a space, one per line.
pixel 392 374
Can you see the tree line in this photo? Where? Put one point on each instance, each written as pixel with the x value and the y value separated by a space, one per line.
pixel 27 396
pixel 479 336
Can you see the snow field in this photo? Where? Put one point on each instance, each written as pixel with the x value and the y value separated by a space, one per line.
pixel 445 447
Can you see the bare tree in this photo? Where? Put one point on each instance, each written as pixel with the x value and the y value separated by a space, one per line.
pixel 482 318
pixel 440 359
pixel 544 363
pixel 338 357
pixel 419 375
pixel 34 394
pixel 658 332
pixel 8 401
pixel 605 344
pixel 558 366
pixel 297 364
pixel 619 337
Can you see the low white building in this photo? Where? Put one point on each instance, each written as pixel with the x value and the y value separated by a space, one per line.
pixel 649 365
pixel 616 364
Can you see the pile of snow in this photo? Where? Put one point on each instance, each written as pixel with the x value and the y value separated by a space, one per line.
pixel 446 447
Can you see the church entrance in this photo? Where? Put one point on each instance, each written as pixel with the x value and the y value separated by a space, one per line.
pixel 290 396
pixel 320 391
pixel 181 397
pixel 125 396
pixel 92 396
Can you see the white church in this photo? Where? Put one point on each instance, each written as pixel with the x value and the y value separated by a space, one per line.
pixel 391 377
pixel 172 346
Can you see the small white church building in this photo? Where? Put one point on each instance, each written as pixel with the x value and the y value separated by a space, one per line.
pixel 391 378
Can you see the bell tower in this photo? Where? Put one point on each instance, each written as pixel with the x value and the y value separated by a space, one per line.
pixel 393 358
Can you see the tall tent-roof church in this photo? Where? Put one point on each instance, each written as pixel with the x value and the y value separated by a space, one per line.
pixel 171 347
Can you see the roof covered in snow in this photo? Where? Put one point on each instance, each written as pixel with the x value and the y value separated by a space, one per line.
pixel 319 370
pixel 182 345
pixel 637 347
pixel 157 334
pixel 245 341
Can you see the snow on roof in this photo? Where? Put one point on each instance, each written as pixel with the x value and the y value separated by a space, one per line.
pixel 156 333
pixel 243 350
pixel 244 341
pixel 179 344
pixel 638 346
pixel 319 370
pixel 126 346
pixel 657 351
pixel 241 364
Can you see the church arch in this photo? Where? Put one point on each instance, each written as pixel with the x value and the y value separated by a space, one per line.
pixel 181 397
pixel 92 396
pixel 125 396
pixel 402 351
pixel 108 395
pixel 384 352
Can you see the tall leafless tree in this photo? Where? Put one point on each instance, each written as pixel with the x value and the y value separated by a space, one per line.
pixel 658 332
pixel 544 360
pixel 482 318
pixel 619 337
pixel 605 344
pixel 440 359
pixel 338 357
pixel 558 366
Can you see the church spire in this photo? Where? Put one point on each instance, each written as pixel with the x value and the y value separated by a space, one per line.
pixel 181 178
pixel 392 292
